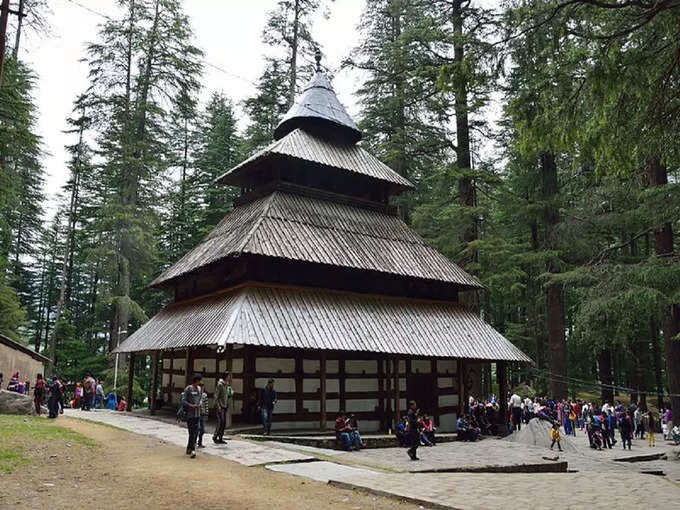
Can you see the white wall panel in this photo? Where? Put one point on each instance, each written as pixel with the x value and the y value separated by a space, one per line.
pixel 361 366
pixel 312 406
pixel 333 385
pixel 368 425
pixel 448 400
pixel 447 366
pixel 312 385
pixel 237 385
pixel 276 365
pixel 311 366
pixel 420 366
pixel 204 365
pixel 238 407
pixel 445 382
pixel 361 385
pixel 166 364
pixel 284 406
pixel 237 365
pixel 447 423
pixel 364 404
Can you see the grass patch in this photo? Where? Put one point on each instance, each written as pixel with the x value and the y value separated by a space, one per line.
pixel 17 433
pixel 10 459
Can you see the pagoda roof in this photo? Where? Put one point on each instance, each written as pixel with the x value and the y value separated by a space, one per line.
pixel 318 105
pixel 305 318
pixel 303 228
pixel 302 144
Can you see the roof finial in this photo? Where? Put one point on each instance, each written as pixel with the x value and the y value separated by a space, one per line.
pixel 317 57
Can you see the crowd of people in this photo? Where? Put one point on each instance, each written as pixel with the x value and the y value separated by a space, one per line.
pixel 598 423
pixel 52 392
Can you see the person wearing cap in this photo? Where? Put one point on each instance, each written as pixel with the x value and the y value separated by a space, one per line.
pixel 266 405
pixel 192 405
pixel 223 393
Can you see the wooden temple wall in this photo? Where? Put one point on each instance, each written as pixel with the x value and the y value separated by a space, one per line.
pixel 359 383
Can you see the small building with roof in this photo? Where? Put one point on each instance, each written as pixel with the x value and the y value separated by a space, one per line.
pixel 314 280
pixel 17 357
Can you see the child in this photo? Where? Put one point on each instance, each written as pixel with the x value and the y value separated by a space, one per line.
pixel 555 436
pixel 401 432
pixel 122 405
pixel 651 428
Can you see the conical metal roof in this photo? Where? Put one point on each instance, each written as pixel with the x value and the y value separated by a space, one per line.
pixel 318 109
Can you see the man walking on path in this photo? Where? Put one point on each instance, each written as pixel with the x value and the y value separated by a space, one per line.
pixel 223 393
pixel 412 430
pixel 192 406
pixel 267 401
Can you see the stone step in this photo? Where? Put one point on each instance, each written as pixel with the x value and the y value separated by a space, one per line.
pixel 330 442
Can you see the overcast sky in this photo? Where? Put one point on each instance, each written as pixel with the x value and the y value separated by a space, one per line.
pixel 228 31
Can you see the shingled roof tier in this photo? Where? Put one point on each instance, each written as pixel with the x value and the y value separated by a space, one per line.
pixel 301 144
pixel 323 319
pixel 302 228
pixel 317 106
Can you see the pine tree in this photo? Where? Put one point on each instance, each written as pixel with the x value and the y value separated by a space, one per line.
pixel 288 27
pixel 143 65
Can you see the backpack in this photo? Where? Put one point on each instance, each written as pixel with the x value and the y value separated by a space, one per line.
pixel 181 411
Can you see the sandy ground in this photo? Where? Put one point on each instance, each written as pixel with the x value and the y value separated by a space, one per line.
pixel 127 470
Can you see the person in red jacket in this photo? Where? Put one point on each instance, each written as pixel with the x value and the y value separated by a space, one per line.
pixel 39 393
pixel 122 405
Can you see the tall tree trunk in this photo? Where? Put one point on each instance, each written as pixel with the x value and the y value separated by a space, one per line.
pixel 293 55
pixel 605 366
pixel 641 356
pixel 70 223
pixel 17 36
pixel 657 175
pixel 656 353
pixel 466 188
pixel 118 329
pixel 555 290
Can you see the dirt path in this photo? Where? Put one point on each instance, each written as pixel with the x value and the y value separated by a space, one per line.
pixel 128 470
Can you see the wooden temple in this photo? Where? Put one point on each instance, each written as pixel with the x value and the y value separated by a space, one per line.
pixel 313 280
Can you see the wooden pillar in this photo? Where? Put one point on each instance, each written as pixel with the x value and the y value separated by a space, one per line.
pixel 218 358
pixel 435 391
pixel 230 356
pixel 395 366
pixel 171 382
pixel 131 377
pixel 389 415
pixel 248 378
pixel 188 367
pixel 462 400
pixel 322 390
pixel 381 394
pixel 341 375
pixel 502 376
pixel 299 375
pixel 154 382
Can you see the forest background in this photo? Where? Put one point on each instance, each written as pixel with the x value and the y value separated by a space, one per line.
pixel 566 208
